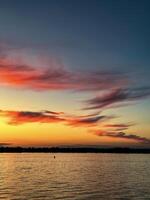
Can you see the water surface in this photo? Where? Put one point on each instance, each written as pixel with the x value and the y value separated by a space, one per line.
pixel 29 176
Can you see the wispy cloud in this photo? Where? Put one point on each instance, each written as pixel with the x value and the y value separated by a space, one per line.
pixel 116 97
pixel 119 127
pixel 93 120
pixel 53 75
pixel 113 86
pixel 88 120
pixel 22 117
pixel 121 135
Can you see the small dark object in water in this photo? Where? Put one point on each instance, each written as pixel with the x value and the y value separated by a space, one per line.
pixel 54 157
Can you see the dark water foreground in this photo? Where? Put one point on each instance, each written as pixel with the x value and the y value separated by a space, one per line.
pixel 74 176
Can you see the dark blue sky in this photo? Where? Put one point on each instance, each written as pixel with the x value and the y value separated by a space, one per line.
pixel 86 34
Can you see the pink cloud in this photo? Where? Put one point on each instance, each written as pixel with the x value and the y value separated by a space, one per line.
pixel 54 76
pixel 22 117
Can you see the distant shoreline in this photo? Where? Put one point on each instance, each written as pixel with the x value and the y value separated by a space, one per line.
pixel 74 150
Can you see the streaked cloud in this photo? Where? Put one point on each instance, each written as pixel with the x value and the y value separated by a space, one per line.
pixel 22 117
pixel 118 97
pixel 119 127
pixel 114 90
pixel 88 120
pixel 121 135
pixel 53 75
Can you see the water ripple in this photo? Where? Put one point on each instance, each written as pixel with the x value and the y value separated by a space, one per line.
pixel 74 177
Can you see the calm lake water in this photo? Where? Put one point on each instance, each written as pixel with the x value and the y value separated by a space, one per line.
pixel 30 176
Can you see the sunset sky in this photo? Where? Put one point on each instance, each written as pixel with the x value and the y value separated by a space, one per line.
pixel 75 73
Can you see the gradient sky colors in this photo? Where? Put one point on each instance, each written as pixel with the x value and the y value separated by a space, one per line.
pixel 74 73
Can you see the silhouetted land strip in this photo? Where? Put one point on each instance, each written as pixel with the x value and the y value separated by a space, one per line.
pixel 73 150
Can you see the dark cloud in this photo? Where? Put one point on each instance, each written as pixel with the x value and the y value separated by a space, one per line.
pixel 118 97
pixel 122 135
pixel 5 144
pixel 119 127
pixel 52 112
pixel 88 120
